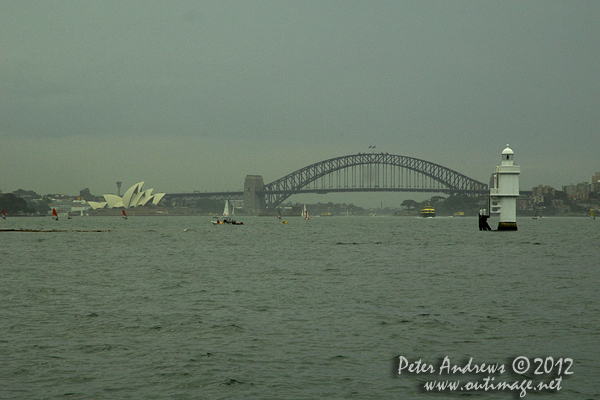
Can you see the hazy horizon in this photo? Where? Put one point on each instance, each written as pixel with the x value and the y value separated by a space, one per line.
pixel 195 95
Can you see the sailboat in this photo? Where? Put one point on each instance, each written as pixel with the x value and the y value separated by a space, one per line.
pixel 227 214
pixel 305 213
pixel 538 214
pixel 592 216
pixel 226 218
pixel 54 214
pixel 226 209
pixel 124 214
pixel 3 214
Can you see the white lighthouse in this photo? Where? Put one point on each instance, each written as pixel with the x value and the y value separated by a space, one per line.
pixel 504 190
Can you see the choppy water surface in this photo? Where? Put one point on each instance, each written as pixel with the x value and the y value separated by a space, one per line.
pixel 145 309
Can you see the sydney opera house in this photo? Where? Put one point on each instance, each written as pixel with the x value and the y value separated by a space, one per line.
pixel 134 197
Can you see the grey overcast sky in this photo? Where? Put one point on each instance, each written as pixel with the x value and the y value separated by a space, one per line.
pixel 195 95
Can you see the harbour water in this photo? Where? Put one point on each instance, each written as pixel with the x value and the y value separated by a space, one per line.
pixel 176 308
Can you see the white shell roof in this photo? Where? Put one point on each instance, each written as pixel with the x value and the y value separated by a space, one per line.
pixel 130 194
pixel 95 205
pixel 113 201
pixel 157 198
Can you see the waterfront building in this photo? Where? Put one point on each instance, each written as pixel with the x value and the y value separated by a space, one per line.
pixel 133 197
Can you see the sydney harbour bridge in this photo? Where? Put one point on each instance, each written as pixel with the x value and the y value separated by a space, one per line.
pixel 362 172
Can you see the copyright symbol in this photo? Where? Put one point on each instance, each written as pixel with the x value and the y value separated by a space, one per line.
pixel 521 365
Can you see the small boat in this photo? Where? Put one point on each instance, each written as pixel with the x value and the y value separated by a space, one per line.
pixel 427 212
pixel 326 214
pixel 54 214
pixel 227 220
pixel 459 214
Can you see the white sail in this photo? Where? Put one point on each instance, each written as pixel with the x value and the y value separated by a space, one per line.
pixel 226 210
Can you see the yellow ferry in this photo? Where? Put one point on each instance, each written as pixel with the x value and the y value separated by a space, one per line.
pixel 427 212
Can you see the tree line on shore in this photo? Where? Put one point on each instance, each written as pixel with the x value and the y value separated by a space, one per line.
pixel 15 205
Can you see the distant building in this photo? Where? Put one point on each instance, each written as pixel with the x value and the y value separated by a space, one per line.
pixel 583 191
pixel 596 182
pixel 570 190
pixel 541 190
pixel 86 195
pixel 70 207
pixel 525 203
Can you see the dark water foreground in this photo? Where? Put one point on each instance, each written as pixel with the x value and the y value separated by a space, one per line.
pixel 175 308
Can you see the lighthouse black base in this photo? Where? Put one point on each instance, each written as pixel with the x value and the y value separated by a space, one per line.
pixel 507 226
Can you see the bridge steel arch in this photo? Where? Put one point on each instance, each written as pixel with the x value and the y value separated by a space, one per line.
pixel 370 172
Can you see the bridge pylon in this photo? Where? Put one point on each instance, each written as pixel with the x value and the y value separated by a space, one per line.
pixel 254 198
